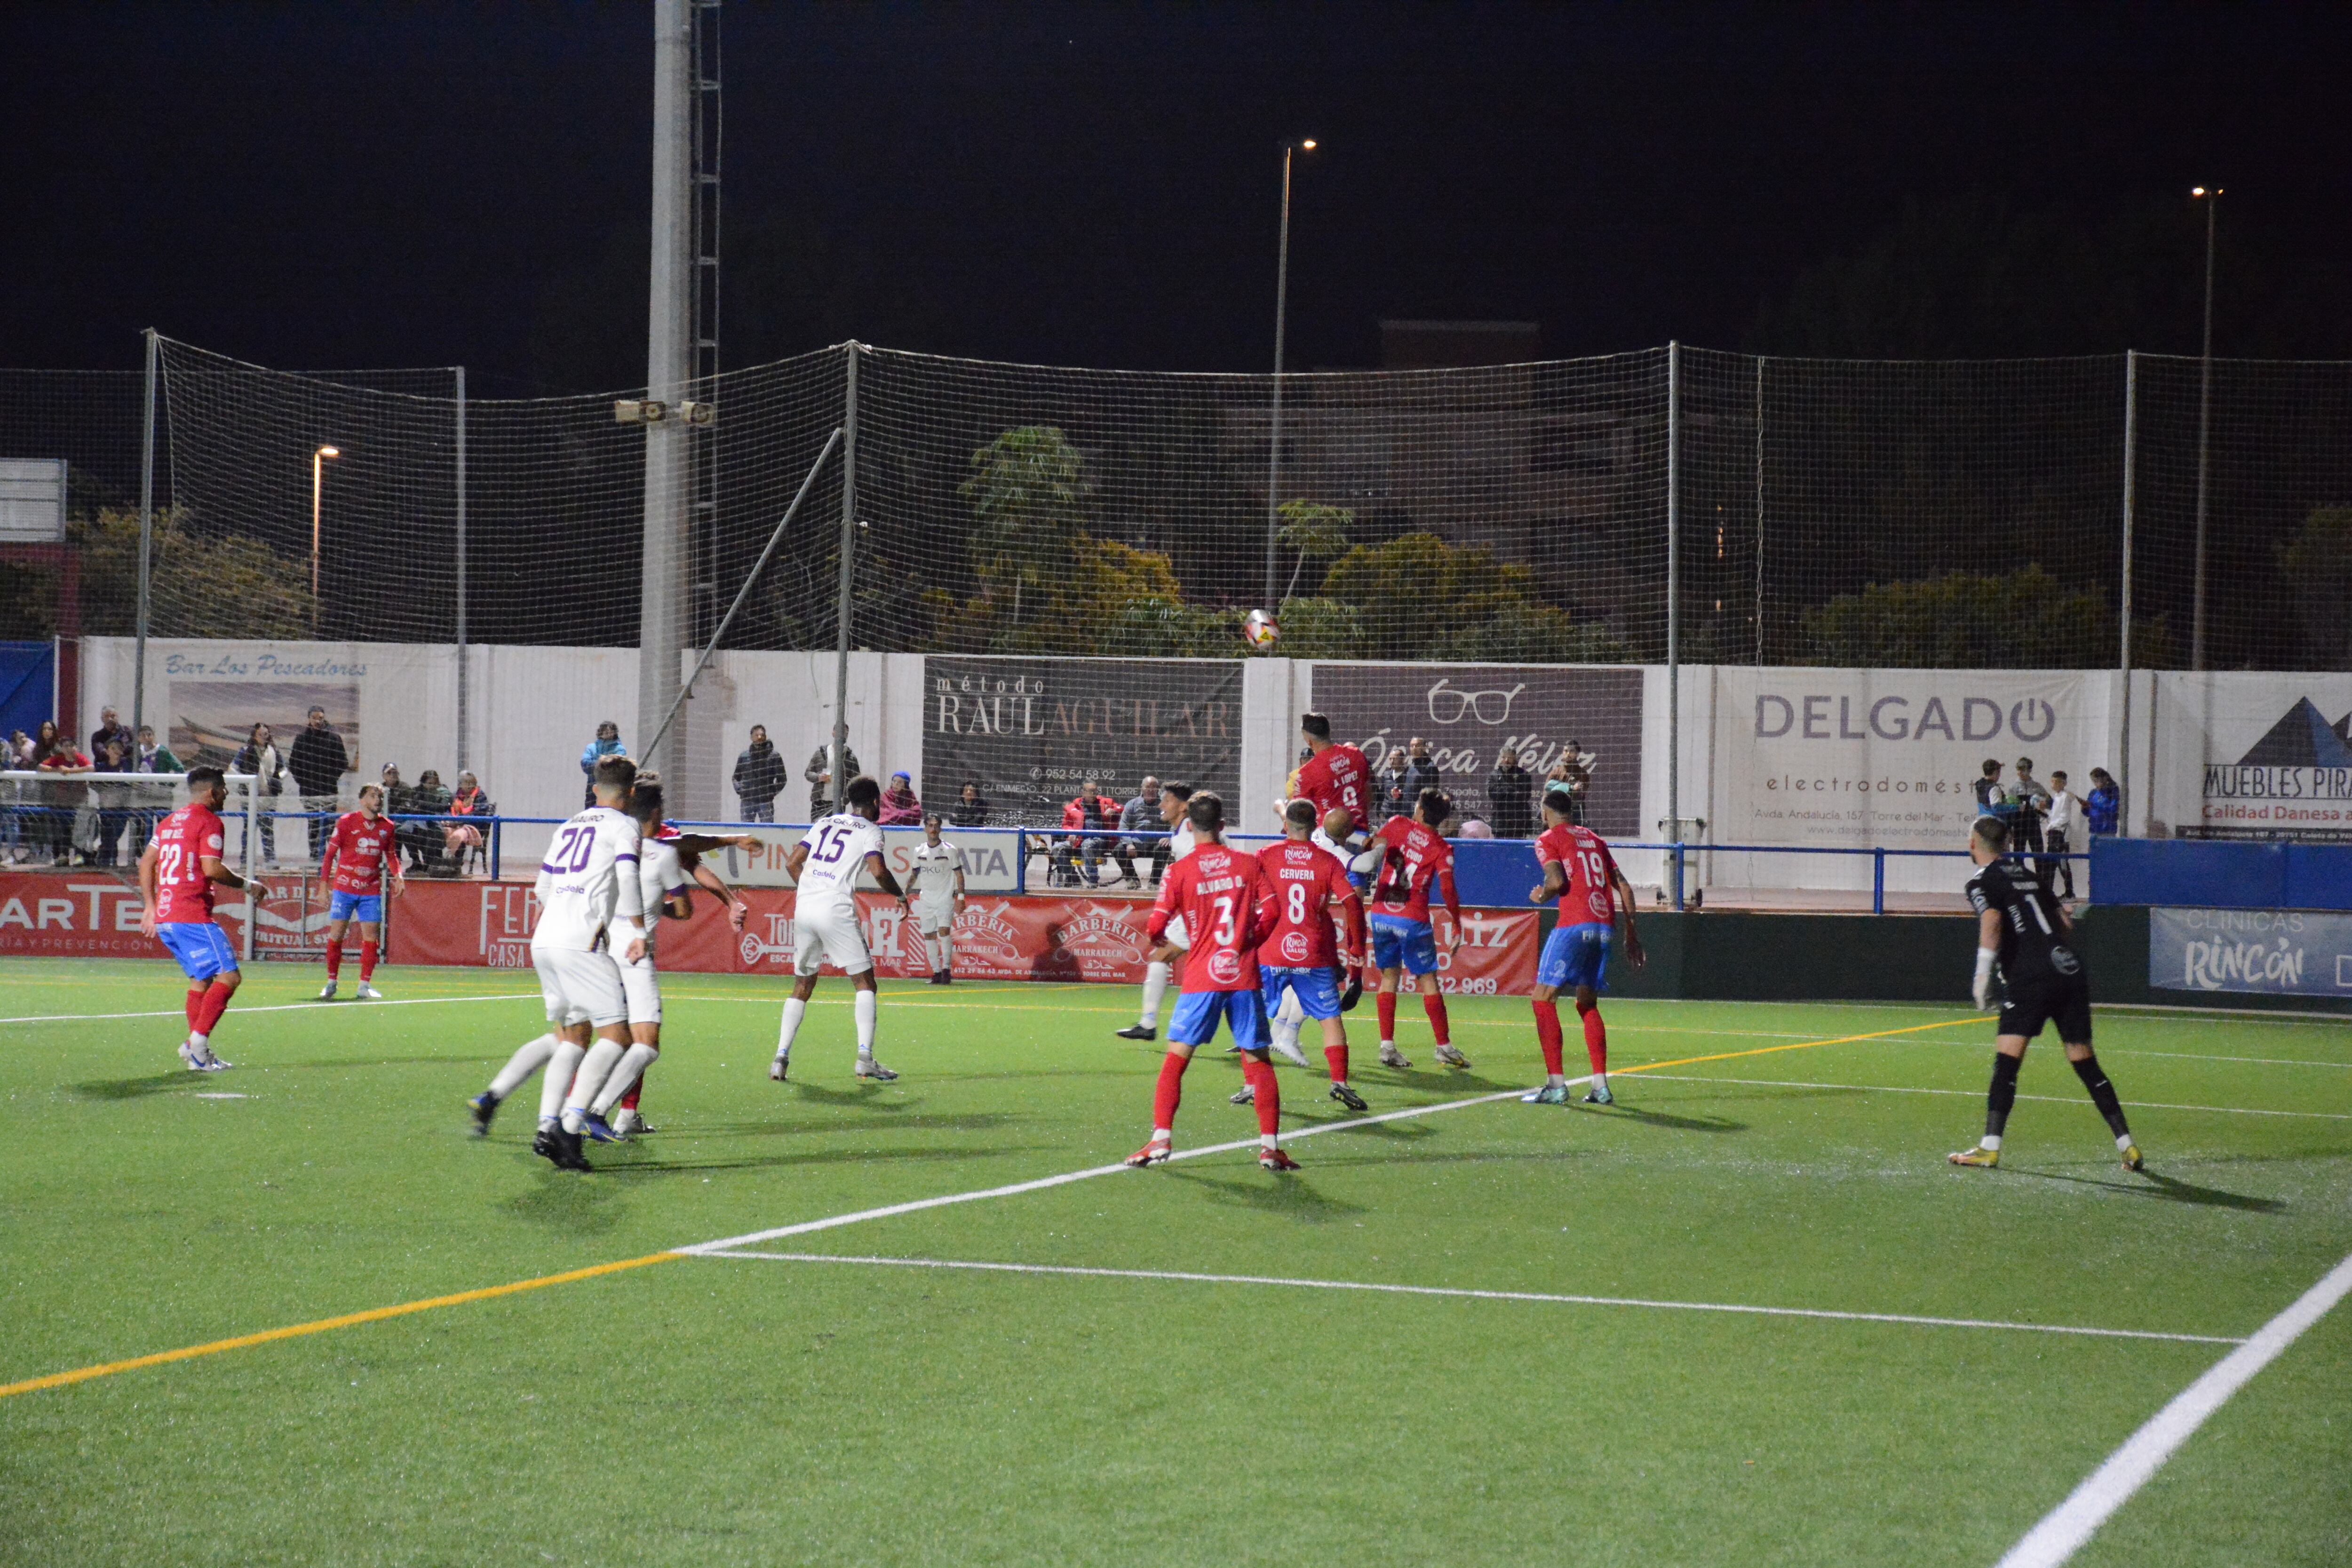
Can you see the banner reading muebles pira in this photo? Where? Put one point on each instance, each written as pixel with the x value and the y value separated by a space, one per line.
pixel 1031 731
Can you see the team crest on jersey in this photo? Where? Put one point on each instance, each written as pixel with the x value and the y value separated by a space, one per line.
pixel 2063 961
pixel 1224 966
pixel 1296 948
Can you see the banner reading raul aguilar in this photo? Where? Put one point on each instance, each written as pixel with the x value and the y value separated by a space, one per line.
pixel 1862 757
pixel 1470 713
pixel 1031 731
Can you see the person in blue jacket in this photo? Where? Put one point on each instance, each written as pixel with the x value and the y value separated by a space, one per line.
pixel 607 743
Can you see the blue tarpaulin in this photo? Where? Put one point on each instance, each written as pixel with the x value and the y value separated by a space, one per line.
pixel 28 685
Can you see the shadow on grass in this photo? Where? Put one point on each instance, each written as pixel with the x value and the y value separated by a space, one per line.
pixel 1462 1157
pixel 2168 1189
pixel 137 1087
pixel 973 1122
pixel 1621 1112
pixel 364 1060
pixel 1290 1196
pixel 561 1202
pixel 864 1097
pixel 608 1164
pixel 1403 1131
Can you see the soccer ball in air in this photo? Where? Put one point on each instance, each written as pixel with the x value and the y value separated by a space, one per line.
pixel 1259 629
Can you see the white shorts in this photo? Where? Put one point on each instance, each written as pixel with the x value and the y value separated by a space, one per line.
pixel 579 987
pixel 641 985
pixel 1176 934
pixel 828 932
pixel 933 921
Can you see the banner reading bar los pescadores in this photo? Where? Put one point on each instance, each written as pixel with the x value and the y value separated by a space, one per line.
pixel 1857 758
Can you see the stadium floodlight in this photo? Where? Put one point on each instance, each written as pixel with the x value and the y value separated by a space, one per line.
pixel 319 457
pixel 1281 308
pixel 639 411
pixel 699 413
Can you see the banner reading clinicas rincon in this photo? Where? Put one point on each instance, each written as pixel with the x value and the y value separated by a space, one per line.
pixel 1031 731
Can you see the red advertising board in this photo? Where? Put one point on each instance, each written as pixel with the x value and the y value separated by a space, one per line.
pixel 997 938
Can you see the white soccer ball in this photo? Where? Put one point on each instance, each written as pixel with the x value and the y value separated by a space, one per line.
pixel 1260 629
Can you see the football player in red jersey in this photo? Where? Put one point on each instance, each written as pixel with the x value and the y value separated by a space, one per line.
pixel 1579 871
pixel 1306 886
pixel 1412 856
pixel 1336 777
pixel 1216 890
pixel 360 854
pixel 177 872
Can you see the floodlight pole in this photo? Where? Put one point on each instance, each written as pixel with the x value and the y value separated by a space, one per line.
pixel 1281 323
pixel 669 370
pixel 461 567
pixel 1760 512
pixel 840 606
pixel 2131 497
pixel 146 543
pixel 1674 617
pixel 2212 200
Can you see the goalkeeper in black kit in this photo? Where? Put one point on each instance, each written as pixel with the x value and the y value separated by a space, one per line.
pixel 2021 928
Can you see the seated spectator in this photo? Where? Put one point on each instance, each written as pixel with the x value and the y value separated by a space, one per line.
pixel 423 839
pixel 899 806
pixel 1139 816
pixel 1092 817
pixel 970 810
pixel 607 743
pixel 461 830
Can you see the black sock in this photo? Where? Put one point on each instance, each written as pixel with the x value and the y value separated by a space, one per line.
pixel 2103 1094
pixel 2002 1094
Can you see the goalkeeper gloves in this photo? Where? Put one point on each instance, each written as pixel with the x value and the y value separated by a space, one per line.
pixel 1982 989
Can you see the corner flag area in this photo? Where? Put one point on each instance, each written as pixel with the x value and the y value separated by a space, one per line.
pixel 1745 1314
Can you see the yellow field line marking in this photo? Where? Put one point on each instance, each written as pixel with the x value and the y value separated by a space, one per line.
pixel 378 1314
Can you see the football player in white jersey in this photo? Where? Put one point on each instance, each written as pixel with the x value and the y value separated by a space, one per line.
pixel 662 885
pixel 591 906
pixel 1173 798
pixel 824 867
pixel 936 885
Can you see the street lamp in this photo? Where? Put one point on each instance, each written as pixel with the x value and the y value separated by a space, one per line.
pixel 1281 307
pixel 320 456
pixel 2212 200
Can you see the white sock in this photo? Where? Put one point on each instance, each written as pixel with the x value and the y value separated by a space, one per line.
pixel 521 1064
pixel 2122 1142
pixel 617 1082
pixel 1266 1140
pixel 947 952
pixel 865 1003
pixel 1555 1080
pixel 1155 986
pixel 562 1063
pixel 1990 1140
pixel 794 1010
pixel 932 950
pixel 196 1043
pixel 594 1069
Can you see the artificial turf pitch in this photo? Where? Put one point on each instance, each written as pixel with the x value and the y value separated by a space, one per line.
pixel 745 1409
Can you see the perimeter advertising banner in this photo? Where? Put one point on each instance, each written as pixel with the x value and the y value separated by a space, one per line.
pixel 2271 952
pixel 1855 758
pixel 2272 756
pixel 1031 731
pixel 1469 712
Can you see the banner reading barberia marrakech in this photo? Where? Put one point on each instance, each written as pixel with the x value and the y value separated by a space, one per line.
pixel 1858 758
pixel 1032 731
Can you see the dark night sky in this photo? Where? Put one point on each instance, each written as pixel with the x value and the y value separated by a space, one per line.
pixel 313 186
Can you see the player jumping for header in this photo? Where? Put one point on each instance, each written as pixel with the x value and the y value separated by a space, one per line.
pixel 177 872
pixel 1407 857
pixel 2021 928
pixel 1336 777
pixel 824 867
pixel 1579 871
pixel 360 854
pixel 1217 890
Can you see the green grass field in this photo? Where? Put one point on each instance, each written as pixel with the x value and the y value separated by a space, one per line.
pixel 766 1409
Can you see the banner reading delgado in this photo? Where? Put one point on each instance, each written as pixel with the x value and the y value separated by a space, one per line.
pixel 1864 757
pixel 1031 730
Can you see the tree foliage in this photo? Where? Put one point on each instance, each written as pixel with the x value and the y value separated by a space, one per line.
pixel 2316 568
pixel 219 586
pixel 1027 491
pixel 1418 597
pixel 2023 620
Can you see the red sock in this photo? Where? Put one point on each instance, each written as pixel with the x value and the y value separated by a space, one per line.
pixel 196 1008
pixel 1596 1037
pixel 216 998
pixel 1434 1004
pixel 334 959
pixel 1171 1092
pixel 629 1100
pixel 1548 1037
pixel 367 961
pixel 1260 1076
pixel 1338 1057
pixel 1388 1017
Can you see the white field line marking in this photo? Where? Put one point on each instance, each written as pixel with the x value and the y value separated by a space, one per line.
pixel 1042 1183
pixel 2065 1528
pixel 1979 1094
pixel 1482 1295
pixel 280 1008
pixel 2194 1057
pixel 220 1096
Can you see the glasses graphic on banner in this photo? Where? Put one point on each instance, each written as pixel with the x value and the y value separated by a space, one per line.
pixel 1447 704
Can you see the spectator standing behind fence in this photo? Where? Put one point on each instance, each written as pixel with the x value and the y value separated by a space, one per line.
pixel 2100 812
pixel 1142 816
pixel 1992 799
pixel 1510 797
pixel 1093 815
pixel 970 810
pixel 154 800
pixel 2058 835
pixel 819 773
pixel 259 757
pixel 61 801
pixel 461 831
pixel 758 778
pixel 110 727
pixel 901 808
pixel 1420 770
pixel 1393 801
pixel 607 743
pixel 113 803
pixel 319 761
pixel 2031 800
